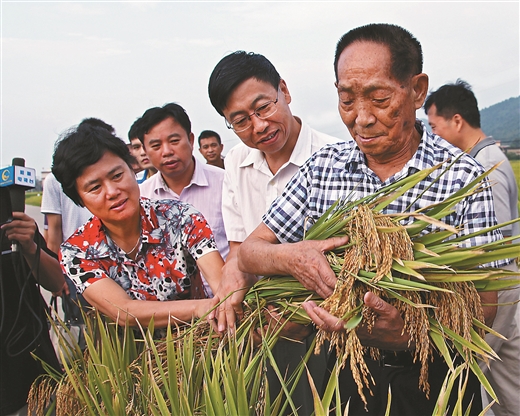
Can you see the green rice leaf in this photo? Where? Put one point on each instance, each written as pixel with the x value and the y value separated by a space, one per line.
pixel 439 341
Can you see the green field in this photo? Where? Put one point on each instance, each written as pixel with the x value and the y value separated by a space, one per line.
pixel 33 198
pixel 516 168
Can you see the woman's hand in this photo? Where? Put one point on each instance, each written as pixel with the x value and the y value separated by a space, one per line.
pixel 22 230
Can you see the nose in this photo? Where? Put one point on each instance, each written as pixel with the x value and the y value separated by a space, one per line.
pixel 259 125
pixel 112 190
pixel 167 150
pixel 364 115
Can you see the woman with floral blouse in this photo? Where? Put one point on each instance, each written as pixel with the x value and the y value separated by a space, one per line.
pixel 135 258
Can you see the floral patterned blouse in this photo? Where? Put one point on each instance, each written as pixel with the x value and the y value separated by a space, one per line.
pixel 173 236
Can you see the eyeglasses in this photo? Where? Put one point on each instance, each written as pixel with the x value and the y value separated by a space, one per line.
pixel 264 111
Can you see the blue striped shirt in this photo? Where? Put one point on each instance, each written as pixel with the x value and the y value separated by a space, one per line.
pixel 340 171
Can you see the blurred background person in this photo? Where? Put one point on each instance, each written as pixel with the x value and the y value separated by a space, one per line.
pixel 211 147
pixel 453 114
pixel 147 169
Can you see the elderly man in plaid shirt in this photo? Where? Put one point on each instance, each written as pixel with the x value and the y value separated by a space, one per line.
pixel 380 86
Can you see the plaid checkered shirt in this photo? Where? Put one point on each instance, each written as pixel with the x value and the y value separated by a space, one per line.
pixel 340 171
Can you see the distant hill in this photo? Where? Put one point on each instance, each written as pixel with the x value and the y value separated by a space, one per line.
pixel 502 121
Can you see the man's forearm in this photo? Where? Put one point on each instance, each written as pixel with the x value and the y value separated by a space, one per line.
pixel 256 256
pixel 54 233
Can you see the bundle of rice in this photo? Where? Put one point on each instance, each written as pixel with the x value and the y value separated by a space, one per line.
pixel 433 279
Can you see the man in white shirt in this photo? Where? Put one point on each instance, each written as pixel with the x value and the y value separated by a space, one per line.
pixel 63 215
pixel 248 92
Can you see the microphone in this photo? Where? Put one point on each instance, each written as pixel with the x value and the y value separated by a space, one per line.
pixel 17 178
pixel 17 191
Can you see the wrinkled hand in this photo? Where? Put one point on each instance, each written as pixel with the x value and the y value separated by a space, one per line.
pixel 387 332
pixel 274 321
pixel 323 319
pixel 308 264
pixel 238 283
pixel 22 230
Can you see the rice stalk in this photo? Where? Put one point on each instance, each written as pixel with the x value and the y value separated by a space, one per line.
pixel 431 278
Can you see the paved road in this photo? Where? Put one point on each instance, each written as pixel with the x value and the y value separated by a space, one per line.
pixel 35 213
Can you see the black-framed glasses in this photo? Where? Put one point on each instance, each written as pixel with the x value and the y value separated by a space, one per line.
pixel 264 111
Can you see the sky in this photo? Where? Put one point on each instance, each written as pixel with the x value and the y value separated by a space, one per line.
pixel 63 61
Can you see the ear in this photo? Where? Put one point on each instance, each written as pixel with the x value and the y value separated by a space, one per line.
pixel 420 89
pixel 191 139
pixel 285 91
pixel 458 122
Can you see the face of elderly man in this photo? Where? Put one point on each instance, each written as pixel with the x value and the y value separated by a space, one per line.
pixel 378 109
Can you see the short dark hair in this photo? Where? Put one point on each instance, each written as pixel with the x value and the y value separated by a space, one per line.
pixel 81 147
pixel 96 122
pixel 156 115
pixel 234 69
pixel 405 49
pixel 132 133
pixel 205 134
pixel 451 99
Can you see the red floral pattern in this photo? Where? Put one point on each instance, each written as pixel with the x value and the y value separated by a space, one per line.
pixel 174 235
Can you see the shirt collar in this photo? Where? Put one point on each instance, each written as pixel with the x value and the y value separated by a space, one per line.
pixel 198 178
pixel 147 231
pixel 255 157
pixel 303 147
pixel 423 157
pixel 299 155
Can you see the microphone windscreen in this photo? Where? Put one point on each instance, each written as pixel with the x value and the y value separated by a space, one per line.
pixel 18 192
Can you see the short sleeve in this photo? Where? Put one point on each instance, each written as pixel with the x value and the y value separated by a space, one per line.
pixel 51 197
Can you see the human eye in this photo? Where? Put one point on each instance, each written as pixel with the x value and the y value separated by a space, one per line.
pixel 94 188
pixel 346 104
pixel 381 101
pixel 345 99
pixel 240 122
pixel 264 109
